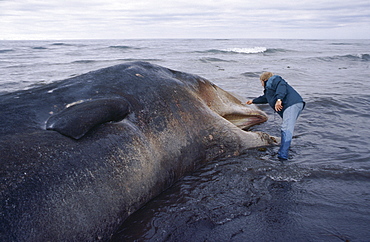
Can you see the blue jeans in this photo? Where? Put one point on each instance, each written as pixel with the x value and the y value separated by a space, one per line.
pixel 290 117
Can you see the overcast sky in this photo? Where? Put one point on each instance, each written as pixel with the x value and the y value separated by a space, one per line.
pixel 127 19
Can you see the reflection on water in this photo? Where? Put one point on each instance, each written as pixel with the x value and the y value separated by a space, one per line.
pixel 250 198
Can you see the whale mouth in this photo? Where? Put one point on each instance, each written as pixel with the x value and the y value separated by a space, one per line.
pixel 246 120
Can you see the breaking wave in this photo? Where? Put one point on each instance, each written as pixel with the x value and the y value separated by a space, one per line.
pixel 352 57
pixel 253 50
pixel 246 50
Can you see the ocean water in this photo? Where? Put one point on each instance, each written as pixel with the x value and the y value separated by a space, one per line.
pixel 321 194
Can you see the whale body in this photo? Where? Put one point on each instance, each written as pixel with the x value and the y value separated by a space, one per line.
pixel 80 155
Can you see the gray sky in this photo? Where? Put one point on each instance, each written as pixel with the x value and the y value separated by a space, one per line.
pixel 126 19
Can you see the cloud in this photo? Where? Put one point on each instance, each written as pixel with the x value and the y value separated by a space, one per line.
pixel 36 19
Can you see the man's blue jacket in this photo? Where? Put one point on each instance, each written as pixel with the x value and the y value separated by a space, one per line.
pixel 277 88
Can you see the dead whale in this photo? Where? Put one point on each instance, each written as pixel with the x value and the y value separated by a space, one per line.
pixel 80 155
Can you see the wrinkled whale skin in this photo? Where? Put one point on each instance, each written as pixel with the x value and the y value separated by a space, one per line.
pixel 62 183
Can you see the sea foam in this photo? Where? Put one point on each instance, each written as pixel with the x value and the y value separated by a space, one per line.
pixel 251 50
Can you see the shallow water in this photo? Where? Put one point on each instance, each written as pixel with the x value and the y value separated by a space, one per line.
pixel 321 194
pixel 253 199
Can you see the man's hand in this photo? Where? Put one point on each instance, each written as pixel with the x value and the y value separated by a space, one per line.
pixel 278 105
pixel 249 102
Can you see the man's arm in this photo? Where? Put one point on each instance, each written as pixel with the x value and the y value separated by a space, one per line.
pixel 259 100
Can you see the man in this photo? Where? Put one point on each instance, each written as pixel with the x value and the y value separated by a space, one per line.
pixel 286 102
